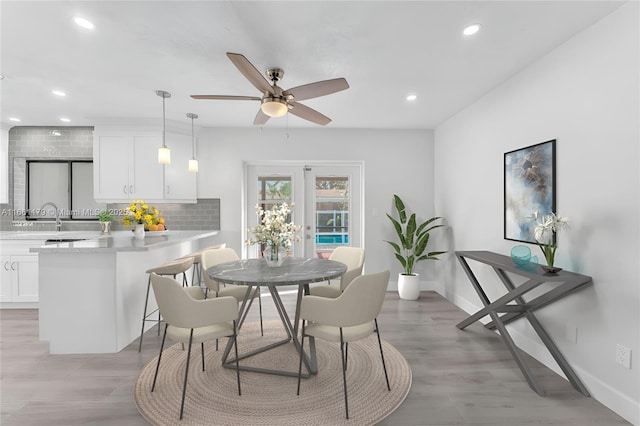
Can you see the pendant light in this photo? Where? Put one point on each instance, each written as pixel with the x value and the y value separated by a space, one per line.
pixel 193 163
pixel 164 154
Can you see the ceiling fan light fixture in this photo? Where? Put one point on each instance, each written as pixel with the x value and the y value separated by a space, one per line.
pixel 274 107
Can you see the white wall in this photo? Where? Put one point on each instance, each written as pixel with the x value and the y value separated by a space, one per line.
pixel 585 95
pixel 395 161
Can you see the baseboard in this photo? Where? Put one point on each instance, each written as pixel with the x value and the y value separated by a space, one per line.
pixel 19 305
pixel 424 286
pixel 616 401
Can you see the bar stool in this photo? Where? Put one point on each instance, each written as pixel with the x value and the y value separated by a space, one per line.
pixel 197 260
pixel 173 268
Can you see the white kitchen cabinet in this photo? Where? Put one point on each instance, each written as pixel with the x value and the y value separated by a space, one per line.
pixel 19 273
pixel 126 168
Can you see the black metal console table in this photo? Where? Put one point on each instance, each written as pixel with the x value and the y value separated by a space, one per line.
pixel 562 283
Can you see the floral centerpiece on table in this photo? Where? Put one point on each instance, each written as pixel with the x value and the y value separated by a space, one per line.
pixel 273 230
pixel 545 232
pixel 140 213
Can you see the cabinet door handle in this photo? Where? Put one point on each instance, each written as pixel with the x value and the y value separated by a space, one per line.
pixel 13 266
pixel 6 266
pixel 168 189
pixel 124 189
pixel 131 191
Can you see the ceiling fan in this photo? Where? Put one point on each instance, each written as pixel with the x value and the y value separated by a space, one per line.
pixel 276 102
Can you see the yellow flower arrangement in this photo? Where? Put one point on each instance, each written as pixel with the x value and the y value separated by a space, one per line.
pixel 139 212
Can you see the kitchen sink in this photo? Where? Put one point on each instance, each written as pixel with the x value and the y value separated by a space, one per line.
pixel 63 240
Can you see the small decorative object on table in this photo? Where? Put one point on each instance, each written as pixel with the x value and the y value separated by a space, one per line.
pixel 545 232
pixel 105 218
pixel 143 217
pixel 274 233
pixel 521 255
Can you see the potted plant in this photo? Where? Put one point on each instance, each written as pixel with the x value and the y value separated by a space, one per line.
pixel 411 247
pixel 105 217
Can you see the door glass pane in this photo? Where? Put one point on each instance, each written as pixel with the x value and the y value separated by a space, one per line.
pixel 272 190
pixel 332 214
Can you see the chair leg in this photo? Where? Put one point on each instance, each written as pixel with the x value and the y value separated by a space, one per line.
pixel 155 376
pixel 186 374
pixel 344 374
pixel 144 314
pixel 260 306
pixel 346 355
pixel 384 367
pixel 301 352
pixel 202 350
pixel 235 340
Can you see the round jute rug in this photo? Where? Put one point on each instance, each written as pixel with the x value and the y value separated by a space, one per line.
pixel 212 395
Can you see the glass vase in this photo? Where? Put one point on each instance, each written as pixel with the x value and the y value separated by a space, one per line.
pixel 274 256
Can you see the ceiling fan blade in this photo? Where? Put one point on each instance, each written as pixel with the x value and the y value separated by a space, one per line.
pixel 319 88
pixel 310 114
pixel 227 97
pixel 261 118
pixel 250 72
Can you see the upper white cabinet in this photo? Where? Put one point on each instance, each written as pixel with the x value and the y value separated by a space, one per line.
pixel 126 167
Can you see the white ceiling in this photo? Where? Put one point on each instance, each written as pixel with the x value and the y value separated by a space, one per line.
pixel 385 50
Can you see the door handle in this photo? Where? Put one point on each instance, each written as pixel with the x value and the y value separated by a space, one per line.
pixel 6 266
pixel 13 264
pixel 131 191
pixel 168 189
pixel 124 189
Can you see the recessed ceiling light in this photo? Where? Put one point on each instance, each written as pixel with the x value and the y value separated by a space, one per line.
pixel 471 29
pixel 66 120
pixel 411 97
pixel 14 119
pixel 84 23
pixel 58 93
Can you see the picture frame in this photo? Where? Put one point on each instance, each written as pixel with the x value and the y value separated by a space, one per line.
pixel 529 187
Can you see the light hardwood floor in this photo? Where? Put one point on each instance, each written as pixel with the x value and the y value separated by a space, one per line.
pixel 459 377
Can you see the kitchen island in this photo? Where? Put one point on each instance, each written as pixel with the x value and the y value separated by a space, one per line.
pixel 92 291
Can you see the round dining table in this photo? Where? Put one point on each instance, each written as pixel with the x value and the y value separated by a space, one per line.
pixel 294 271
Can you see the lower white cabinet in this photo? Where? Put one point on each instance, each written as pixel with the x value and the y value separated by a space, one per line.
pixel 19 278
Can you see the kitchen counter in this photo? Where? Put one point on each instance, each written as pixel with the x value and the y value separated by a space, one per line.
pixel 92 292
pixel 117 241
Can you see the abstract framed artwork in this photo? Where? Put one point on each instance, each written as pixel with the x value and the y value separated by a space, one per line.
pixel 529 187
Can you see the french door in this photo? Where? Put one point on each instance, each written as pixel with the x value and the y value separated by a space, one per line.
pixel 326 198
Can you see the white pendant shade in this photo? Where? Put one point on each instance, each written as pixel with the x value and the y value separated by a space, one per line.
pixel 193 165
pixel 164 155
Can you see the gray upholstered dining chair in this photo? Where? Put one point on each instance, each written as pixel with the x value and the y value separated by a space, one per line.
pixel 189 318
pixel 215 257
pixel 349 317
pixel 353 257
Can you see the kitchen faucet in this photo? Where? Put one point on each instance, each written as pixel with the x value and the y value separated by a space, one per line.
pixel 58 222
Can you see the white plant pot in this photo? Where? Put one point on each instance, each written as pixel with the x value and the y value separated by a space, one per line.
pixel 409 286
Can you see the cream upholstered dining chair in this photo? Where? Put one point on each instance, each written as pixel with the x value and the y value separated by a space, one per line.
pixel 349 317
pixel 215 257
pixel 172 268
pixel 353 257
pixel 189 318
